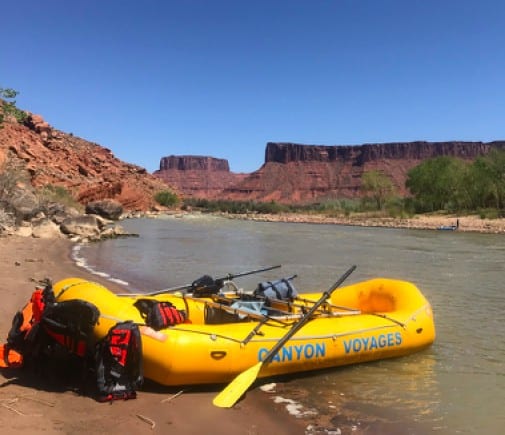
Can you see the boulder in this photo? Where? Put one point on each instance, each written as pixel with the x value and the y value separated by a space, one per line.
pixel 23 231
pixel 39 125
pixel 83 226
pixel 113 232
pixel 7 222
pixel 45 229
pixel 59 212
pixel 24 204
pixel 107 208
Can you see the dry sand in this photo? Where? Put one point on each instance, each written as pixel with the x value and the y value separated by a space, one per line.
pixel 30 404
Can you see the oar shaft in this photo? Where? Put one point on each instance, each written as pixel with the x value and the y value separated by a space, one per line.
pixel 236 388
pixel 237 275
pixel 298 325
pixel 228 277
pixel 339 307
pixel 232 310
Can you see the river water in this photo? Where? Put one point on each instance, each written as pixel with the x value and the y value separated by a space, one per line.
pixel 457 386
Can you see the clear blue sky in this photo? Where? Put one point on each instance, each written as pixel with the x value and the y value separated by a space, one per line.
pixel 153 78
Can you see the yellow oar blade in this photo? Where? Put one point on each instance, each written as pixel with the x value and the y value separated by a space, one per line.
pixel 236 388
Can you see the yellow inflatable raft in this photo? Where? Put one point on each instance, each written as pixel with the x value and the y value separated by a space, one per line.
pixel 370 320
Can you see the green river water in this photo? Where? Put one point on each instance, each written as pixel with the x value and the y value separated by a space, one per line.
pixel 457 386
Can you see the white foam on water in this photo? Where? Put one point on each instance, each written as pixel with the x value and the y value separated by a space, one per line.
pixel 118 281
pixel 311 429
pixel 268 388
pixel 294 408
pixel 81 262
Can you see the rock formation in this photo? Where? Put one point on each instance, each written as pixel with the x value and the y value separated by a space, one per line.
pixel 88 171
pixel 367 153
pixel 199 163
pixel 310 173
pixel 198 176
pixel 292 173
pixel 107 208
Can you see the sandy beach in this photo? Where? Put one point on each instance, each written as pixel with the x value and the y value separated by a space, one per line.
pixel 30 404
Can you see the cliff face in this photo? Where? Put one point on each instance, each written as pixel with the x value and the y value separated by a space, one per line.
pixel 198 176
pixel 197 163
pixel 88 171
pixel 363 154
pixel 308 173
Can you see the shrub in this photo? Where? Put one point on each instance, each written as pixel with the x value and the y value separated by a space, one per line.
pixel 399 208
pixel 166 198
pixel 489 213
pixel 8 108
pixel 57 194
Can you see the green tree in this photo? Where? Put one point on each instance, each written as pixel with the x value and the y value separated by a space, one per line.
pixel 8 106
pixel 378 185
pixel 439 184
pixel 487 180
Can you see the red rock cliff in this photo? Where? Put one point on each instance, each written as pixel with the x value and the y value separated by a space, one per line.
pixel 362 154
pixel 305 173
pixel 308 173
pixel 198 163
pixel 198 176
pixel 88 171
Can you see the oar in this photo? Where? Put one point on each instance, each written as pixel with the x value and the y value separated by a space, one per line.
pixel 304 305
pixel 228 277
pixel 236 388
pixel 356 311
pixel 229 309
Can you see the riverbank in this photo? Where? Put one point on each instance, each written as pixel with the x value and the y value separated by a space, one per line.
pixel 470 223
pixel 30 404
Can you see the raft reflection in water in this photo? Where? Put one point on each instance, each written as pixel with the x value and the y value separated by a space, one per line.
pixel 359 396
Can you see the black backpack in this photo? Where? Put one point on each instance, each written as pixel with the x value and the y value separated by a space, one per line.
pixel 118 359
pixel 70 325
pixel 65 341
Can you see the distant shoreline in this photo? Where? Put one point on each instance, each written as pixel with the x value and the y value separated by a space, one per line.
pixel 470 223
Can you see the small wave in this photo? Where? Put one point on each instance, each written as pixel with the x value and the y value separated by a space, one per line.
pixel 294 408
pixel 118 281
pixel 81 262
pixel 268 388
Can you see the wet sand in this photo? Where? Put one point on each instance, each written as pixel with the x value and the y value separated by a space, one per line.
pixel 32 404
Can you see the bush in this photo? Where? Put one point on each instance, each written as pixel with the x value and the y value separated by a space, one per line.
pixel 57 194
pixel 235 207
pixel 399 208
pixel 8 108
pixel 489 213
pixel 166 198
